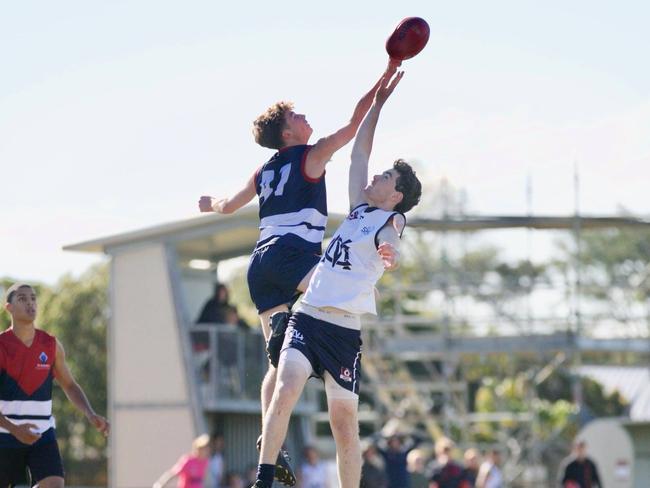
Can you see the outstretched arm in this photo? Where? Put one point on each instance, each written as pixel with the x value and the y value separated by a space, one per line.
pixel 324 149
pixel 363 142
pixel 74 392
pixel 229 205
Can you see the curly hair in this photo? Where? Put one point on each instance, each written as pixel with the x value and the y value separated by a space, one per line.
pixel 268 127
pixel 408 185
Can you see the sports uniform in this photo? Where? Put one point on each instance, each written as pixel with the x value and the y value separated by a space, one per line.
pixel 293 216
pixel 326 325
pixel 26 375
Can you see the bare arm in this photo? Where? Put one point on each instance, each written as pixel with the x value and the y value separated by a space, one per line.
pixel 164 479
pixel 388 242
pixel 24 432
pixel 324 149
pixel 363 142
pixel 232 204
pixel 75 393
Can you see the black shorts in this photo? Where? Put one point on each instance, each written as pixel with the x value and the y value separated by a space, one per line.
pixel 274 273
pixel 328 347
pixel 40 460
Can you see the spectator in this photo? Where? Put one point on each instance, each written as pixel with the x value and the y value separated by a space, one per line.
pixel 312 473
pixel 216 465
pixel 373 474
pixel 250 475
pixel 447 473
pixel 489 475
pixel 190 468
pixel 415 462
pixel 394 453
pixel 472 465
pixel 578 471
pixel 214 309
pixel 233 480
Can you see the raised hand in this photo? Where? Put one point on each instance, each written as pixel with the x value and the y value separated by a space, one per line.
pixel 386 86
pixel 211 204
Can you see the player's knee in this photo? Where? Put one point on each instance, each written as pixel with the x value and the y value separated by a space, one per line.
pixel 51 482
pixel 343 421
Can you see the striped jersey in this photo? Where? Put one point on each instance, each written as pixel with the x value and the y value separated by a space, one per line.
pixel 26 375
pixel 292 206
pixel 346 275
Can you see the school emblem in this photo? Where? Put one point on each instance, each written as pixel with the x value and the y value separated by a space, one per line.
pixel 346 374
pixel 338 253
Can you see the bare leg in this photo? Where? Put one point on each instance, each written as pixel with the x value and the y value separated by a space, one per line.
pixel 50 482
pixel 268 383
pixel 345 428
pixel 292 377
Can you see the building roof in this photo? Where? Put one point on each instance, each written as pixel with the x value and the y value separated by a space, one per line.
pixel 214 236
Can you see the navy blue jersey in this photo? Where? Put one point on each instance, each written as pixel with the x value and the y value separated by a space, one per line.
pixel 293 206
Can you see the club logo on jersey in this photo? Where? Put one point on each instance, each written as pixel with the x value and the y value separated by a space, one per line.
pixel 365 230
pixel 346 374
pixel 42 357
pixel 338 253
pixel 355 215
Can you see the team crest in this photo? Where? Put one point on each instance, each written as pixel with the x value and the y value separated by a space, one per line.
pixel 42 357
pixel 346 374
pixel 338 253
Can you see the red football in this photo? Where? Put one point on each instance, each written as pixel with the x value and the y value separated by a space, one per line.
pixel 408 39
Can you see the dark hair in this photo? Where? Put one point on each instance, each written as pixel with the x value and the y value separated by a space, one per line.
pixel 268 127
pixel 11 291
pixel 408 185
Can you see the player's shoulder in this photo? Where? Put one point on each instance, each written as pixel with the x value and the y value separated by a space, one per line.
pixel 44 337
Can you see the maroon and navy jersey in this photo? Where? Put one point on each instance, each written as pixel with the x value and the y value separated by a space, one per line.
pixel 26 375
pixel 293 206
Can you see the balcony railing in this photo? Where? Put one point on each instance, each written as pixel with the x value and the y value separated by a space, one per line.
pixel 230 363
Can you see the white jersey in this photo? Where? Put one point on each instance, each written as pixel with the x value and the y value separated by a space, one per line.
pixel 346 275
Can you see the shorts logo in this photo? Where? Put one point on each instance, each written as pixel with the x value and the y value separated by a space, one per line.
pixel 42 357
pixel 296 336
pixel 346 374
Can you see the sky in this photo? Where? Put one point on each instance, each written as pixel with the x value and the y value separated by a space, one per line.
pixel 118 115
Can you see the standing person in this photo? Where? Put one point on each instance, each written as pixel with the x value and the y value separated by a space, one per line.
pixel 190 469
pixel 30 359
pixel 324 336
pixel 395 452
pixel 579 471
pixel 447 473
pixel 472 463
pixel 216 466
pixel 215 308
pixel 293 214
pixel 489 474
pixel 312 472
pixel 416 465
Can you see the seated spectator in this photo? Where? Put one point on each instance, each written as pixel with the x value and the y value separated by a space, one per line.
pixel 447 473
pixel 312 472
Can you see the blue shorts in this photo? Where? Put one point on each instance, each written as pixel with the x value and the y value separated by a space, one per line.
pixel 40 460
pixel 328 347
pixel 274 273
